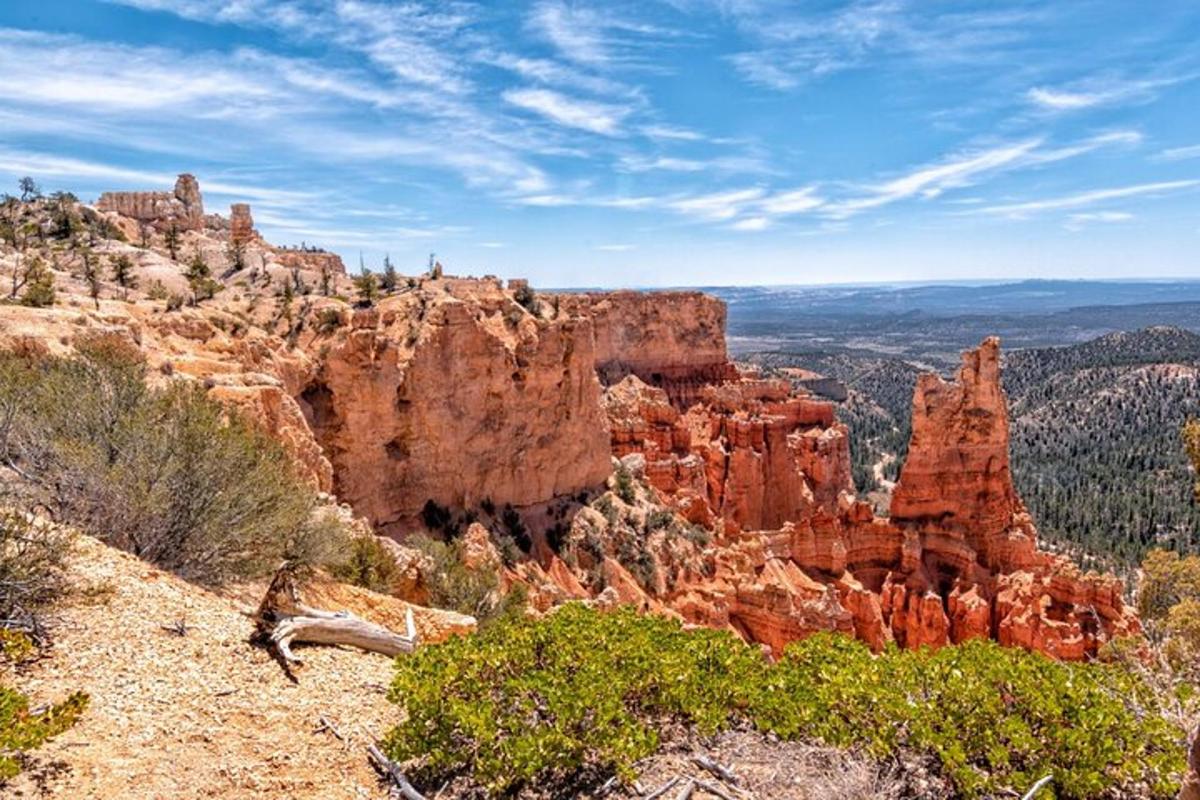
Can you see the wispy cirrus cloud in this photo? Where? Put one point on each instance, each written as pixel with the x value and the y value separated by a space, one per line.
pixel 596 36
pixel 792 46
pixel 1179 153
pixel 717 206
pixel 1095 92
pixel 586 115
pixel 1088 198
pixel 1077 222
pixel 931 181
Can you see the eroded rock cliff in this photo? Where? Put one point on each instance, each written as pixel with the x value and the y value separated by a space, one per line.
pixel 457 399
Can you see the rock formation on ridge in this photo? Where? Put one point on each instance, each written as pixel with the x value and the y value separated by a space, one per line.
pixel 182 208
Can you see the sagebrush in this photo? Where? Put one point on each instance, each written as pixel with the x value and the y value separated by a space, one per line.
pixel 164 473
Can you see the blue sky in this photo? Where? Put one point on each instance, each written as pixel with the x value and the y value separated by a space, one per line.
pixel 660 142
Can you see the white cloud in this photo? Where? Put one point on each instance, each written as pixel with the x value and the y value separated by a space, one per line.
pixel 1064 101
pixel 584 115
pixel 1077 222
pixel 595 37
pixel 1087 198
pixel 546 200
pixel 763 69
pixel 796 201
pixel 664 163
pixel 718 206
pixel 670 132
pixel 615 248
pixel 1094 92
pixel 726 164
pixel 931 181
pixel 1180 153
pixel 751 224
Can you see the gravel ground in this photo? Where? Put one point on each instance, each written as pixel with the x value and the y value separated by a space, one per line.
pixel 204 715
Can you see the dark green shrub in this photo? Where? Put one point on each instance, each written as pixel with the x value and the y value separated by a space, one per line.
pixel 535 701
pixel 659 519
pixel 39 286
pixel 369 565
pixel 328 320
pixel 515 528
pixel 454 586
pixel 166 474
pixel 435 517
pixel 528 299
pixel 22 731
pixel 625 488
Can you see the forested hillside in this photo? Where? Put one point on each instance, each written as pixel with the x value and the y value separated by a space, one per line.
pixel 1096 448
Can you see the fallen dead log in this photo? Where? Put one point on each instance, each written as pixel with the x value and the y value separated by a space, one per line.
pixel 283 619
pixel 666 787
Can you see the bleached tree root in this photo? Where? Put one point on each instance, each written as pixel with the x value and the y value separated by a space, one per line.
pixel 284 620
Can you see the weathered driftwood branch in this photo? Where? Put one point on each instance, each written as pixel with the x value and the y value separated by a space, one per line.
pixel 714 790
pixel 392 770
pixel 718 770
pixel 1037 787
pixel 283 619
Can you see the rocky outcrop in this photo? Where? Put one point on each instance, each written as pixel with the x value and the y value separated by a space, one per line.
pixel 749 452
pixel 671 340
pixel 456 401
pixel 956 481
pixel 183 208
pixel 241 223
pixel 317 262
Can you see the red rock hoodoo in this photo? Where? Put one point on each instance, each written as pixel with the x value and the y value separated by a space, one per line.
pixel 796 552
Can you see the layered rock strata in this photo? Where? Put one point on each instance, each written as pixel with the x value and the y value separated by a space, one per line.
pixel 671 340
pixel 459 401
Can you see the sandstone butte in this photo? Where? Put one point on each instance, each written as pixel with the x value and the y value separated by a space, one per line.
pixel 451 394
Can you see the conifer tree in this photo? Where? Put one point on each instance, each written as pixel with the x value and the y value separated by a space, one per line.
pixel 367 286
pixel 122 273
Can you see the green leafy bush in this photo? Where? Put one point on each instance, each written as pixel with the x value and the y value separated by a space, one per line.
pixel 624 486
pixel 21 731
pixel 541 700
